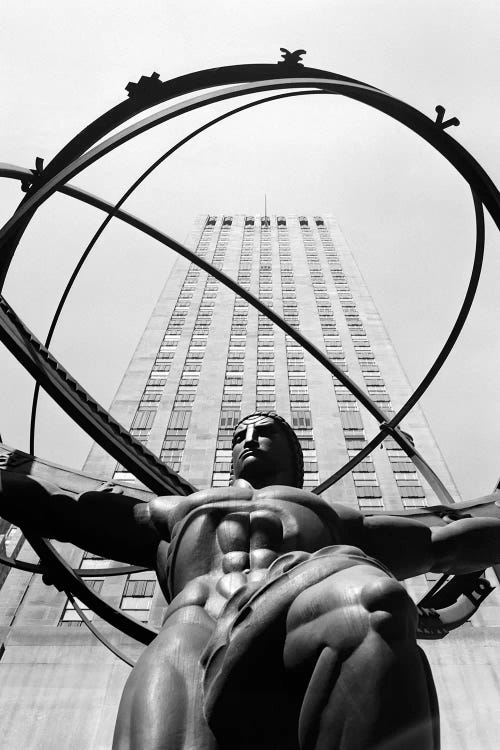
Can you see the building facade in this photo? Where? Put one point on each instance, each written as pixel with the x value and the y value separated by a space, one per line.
pixel 205 360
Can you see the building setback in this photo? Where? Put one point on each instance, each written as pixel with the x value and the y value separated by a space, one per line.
pixel 205 360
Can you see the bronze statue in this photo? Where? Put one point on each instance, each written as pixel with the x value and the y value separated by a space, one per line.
pixel 287 627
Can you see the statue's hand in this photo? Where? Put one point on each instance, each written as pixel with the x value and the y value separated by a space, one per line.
pixel 110 487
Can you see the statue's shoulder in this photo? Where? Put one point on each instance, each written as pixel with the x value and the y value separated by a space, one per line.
pixel 170 509
pixel 351 523
pixel 347 514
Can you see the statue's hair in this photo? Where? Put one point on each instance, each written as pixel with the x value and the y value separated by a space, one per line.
pixel 292 440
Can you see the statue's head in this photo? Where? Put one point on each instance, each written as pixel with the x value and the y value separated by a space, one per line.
pixel 267 451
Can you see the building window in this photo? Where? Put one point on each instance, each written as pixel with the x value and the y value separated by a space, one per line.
pixel 299 397
pixel 137 598
pixel 351 420
pixel 151 396
pixel 220 479
pixel 396 454
pixel 179 419
pixel 231 398
pixel 406 478
pixel 266 397
pixel 139 587
pixel 368 492
pixel 354 444
pixel 301 419
pixel 364 479
pixel 229 419
pixel 91 561
pixel 184 397
pixel 224 466
pixel 370 502
pixel 174 445
pixel 412 491
pixel 348 406
pixel 143 419
pixel 70 617
pixel 403 466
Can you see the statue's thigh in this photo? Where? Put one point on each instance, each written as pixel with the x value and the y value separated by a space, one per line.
pixel 162 702
pixel 340 611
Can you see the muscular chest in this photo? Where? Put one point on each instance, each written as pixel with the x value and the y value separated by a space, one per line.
pixel 233 537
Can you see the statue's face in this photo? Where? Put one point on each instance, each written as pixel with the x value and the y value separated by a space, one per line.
pixel 262 452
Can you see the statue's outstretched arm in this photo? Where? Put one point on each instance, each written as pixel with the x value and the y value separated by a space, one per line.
pixel 409 547
pixel 466 545
pixel 113 526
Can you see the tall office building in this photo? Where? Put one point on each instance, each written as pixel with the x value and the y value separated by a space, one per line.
pixel 206 359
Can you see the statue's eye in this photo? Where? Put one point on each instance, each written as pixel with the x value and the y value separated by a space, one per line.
pixel 266 431
pixel 238 437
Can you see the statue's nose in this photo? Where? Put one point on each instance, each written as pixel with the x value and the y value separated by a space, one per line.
pixel 250 436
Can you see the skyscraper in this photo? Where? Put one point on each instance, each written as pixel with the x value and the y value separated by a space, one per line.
pixel 206 359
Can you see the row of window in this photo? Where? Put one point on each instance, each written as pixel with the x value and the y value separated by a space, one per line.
pixel 221 474
pixel 265 391
pixel 233 381
pixel 174 441
pixel 366 484
pixel 136 601
pixel 136 598
pixel 300 414
pixel 151 396
pixel 265 221
pixel 411 492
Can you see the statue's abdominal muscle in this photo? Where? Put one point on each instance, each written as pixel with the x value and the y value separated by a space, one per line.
pixel 223 545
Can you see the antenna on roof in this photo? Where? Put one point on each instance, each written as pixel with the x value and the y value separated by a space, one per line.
pixel 266 222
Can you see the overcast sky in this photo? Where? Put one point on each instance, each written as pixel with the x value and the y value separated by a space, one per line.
pixel 405 212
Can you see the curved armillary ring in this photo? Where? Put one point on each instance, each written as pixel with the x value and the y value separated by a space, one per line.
pixel 218 84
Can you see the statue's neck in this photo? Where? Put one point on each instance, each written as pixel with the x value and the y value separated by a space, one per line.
pixel 256 485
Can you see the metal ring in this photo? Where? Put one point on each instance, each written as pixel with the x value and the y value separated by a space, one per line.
pixel 459 157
